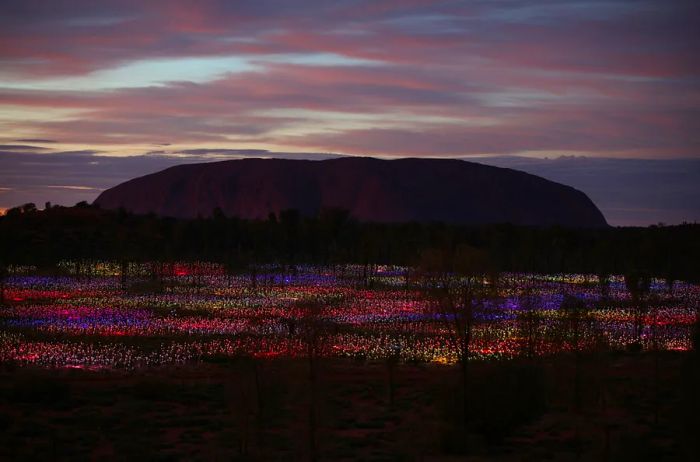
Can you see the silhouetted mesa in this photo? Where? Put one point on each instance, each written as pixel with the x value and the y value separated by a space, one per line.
pixel 404 190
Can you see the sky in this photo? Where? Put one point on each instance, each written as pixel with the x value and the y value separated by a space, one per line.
pixel 602 95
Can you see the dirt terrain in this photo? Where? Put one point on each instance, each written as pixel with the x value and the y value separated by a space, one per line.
pixel 244 409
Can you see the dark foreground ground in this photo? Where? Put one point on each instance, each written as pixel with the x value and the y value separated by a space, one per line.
pixel 626 409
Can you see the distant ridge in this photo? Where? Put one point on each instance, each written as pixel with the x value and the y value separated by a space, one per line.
pixel 402 190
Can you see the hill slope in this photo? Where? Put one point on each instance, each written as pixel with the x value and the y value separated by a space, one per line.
pixel 452 191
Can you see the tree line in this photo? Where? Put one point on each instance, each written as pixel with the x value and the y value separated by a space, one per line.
pixel 29 236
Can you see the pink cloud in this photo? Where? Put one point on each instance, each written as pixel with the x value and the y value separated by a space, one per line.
pixel 535 76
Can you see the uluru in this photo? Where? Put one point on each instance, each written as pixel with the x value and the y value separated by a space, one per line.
pixel 402 190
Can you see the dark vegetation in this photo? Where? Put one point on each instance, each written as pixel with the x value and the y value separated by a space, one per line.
pixel 42 238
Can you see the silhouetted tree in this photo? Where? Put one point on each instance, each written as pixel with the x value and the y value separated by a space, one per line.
pixel 392 361
pixel 604 287
pixel 529 319
pixel 576 318
pixel 638 285
pixel 456 285
pixel 310 313
pixel 27 208
pixel 3 275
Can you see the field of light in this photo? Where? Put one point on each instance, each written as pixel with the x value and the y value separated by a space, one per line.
pixel 195 311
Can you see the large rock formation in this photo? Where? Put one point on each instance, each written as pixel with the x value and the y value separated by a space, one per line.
pixel 452 191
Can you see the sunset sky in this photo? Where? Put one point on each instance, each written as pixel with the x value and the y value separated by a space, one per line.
pixel 95 92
